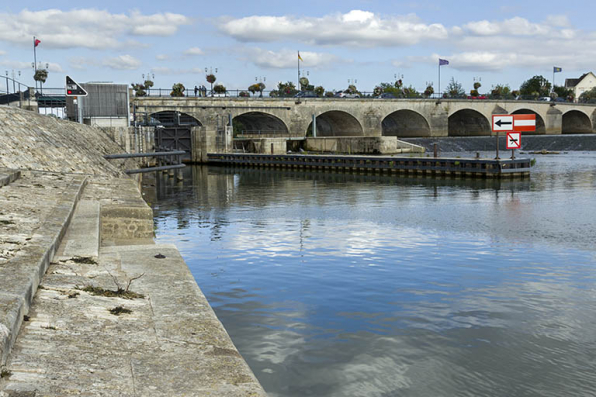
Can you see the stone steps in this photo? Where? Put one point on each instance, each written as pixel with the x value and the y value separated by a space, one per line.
pixel 34 214
pixel 169 344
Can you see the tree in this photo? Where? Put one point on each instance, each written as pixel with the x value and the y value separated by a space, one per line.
pixel 287 89
pixel 455 89
pixel 564 92
pixel 537 86
pixel 501 91
pixel 243 94
pixel 389 89
pixel 588 96
pixel 410 92
pixel 320 91
pixel 177 90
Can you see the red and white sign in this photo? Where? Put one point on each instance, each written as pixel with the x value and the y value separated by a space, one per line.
pixel 514 140
pixel 514 122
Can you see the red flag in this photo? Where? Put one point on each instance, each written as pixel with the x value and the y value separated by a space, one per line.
pixel 37 41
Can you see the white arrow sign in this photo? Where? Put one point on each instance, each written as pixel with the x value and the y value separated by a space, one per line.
pixel 502 123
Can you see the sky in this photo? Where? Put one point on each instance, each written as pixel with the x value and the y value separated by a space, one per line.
pixel 369 41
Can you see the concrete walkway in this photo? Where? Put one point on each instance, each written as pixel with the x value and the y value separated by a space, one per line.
pixel 158 336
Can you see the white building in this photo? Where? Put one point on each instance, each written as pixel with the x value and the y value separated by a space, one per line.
pixel 585 83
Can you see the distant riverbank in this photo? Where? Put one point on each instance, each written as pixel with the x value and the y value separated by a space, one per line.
pixel 529 142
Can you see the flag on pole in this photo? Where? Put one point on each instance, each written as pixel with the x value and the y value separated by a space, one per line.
pixel 557 70
pixel 443 62
pixel 37 41
pixel 299 57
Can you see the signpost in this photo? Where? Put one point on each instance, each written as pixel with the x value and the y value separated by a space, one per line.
pixel 75 90
pixel 513 125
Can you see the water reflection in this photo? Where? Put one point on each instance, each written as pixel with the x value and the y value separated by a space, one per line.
pixel 351 285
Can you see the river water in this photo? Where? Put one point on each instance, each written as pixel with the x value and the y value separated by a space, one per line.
pixel 335 284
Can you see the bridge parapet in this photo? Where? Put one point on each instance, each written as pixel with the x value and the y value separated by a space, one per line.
pixel 371 117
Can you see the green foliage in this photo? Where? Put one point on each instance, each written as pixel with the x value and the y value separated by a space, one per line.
pixel 474 93
pixel 257 87
pixel 501 91
pixel 40 75
pixel 588 96
pixel 537 86
pixel 455 89
pixel 177 90
pixel 329 94
pixel 477 85
pixel 243 94
pixel 388 88
pixel 219 89
pixel 211 78
pixel 287 89
pixel 564 92
pixel 303 83
pixel 139 89
pixel 320 91
pixel 352 89
pixel 429 91
pixel 148 83
pixel 411 92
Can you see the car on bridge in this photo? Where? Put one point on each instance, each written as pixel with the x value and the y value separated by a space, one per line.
pixel 386 95
pixel 347 94
pixel 306 94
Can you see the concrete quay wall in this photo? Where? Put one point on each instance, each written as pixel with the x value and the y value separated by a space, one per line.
pixel 74 231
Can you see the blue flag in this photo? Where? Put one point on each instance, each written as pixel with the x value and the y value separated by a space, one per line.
pixel 557 70
pixel 443 62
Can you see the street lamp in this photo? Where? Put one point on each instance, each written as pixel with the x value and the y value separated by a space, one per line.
pixel 149 76
pixel 209 70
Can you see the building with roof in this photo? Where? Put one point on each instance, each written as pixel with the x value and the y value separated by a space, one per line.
pixel 584 83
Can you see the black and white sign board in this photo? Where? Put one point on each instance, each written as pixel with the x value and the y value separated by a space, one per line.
pixel 514 140
pixel 502 123
pixel 73 88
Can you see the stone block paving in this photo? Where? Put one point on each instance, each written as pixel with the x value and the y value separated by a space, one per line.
pixel 34 211
pixel 163 340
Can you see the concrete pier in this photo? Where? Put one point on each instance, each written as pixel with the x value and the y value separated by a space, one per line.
pixel 428 166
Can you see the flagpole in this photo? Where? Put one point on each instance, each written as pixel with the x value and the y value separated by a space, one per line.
pixel 439 79
pixel 553 79
pixel 35 60
pixel 298 85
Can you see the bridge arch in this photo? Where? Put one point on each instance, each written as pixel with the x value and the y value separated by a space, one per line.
pixel 337 123
pixel 540 126
pixel 405 123
pixel 259 123
pixel 468 122
pixel 576 122
pixel 174 130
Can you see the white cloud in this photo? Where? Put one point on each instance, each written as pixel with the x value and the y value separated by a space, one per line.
pixel 194 51
pixel 122 62
pixel 86 28
pixel 25 66
pixel 289 58
pixel 356 29
pixel 2 53
pixel 162 57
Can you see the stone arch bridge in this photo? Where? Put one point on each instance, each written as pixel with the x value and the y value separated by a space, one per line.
pixel 292 117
